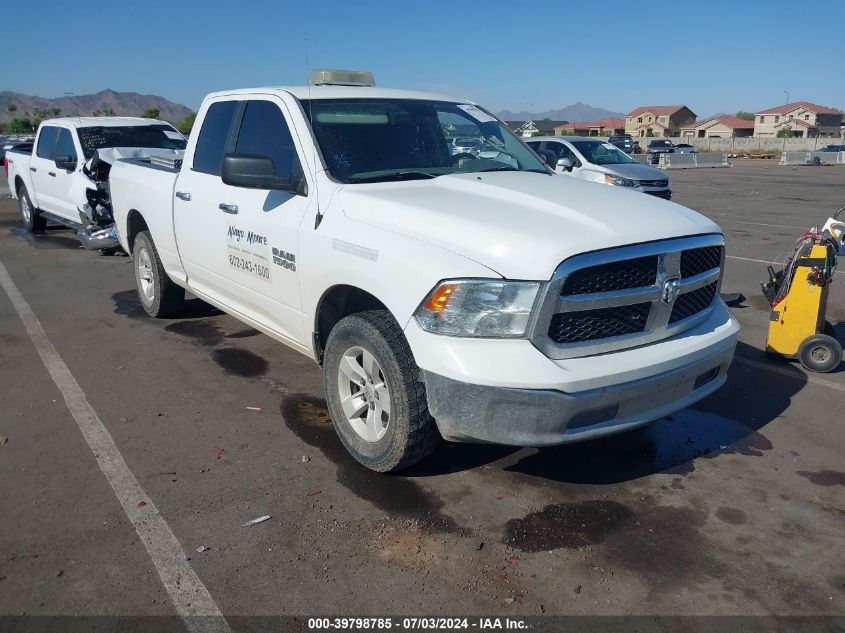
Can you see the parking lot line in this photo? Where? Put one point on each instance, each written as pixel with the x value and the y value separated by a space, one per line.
pixel 763 261
pixel 723 218
pixel 189 595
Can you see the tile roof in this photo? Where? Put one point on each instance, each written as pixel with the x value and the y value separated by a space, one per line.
pixel 665 110
pixel 610 122
pixel 727 120
pixel 789 107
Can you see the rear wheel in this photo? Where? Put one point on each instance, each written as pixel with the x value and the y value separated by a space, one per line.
pixel 32 221
pixel 159 296
pixel 820 353
pixel 377 403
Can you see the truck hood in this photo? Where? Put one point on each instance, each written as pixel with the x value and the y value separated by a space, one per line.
pixel 519 224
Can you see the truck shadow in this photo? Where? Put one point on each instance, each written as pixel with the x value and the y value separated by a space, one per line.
pixel 729 421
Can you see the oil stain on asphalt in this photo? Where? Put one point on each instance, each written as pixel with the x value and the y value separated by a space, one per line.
pixel 823 477
pixel 567 525
pixel 398 496
pixel 240 362
pixel 46 241
pixel 200 331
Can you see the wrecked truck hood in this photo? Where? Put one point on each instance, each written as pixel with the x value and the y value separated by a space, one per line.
pixel 112 154
pixel 519 224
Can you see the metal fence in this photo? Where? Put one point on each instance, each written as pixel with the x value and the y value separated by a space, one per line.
pixel 812 158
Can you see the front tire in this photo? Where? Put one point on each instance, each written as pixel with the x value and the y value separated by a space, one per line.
pixel 32 221
pixel 820 353
pixel 159 296
pixel 377 403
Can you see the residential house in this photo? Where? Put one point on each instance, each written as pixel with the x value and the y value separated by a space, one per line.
pixel 803 118
pixel 544 127
pixel 602 127
pixel 719 126
pixel 658 120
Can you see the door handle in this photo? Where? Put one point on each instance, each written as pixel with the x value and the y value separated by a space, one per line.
pixel 183 195
pixel 32 169
pixel 51 173
pixel 228 208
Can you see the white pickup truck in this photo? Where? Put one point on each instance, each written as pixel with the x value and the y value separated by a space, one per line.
pixel 52 184
pixel 477 299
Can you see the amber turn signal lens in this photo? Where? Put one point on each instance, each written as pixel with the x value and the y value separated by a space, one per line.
pixel 439 299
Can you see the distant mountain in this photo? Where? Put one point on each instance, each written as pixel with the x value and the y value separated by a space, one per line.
pixel 123 104
pixel 575 112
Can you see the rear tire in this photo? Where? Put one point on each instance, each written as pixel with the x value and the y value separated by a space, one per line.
pixel 820 353
pixel 377 403
pixel 159 296
pixel 32 220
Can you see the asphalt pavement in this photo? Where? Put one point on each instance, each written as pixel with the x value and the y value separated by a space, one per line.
pixel 732 507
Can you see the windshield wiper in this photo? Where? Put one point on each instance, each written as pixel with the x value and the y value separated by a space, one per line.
pixel 393 176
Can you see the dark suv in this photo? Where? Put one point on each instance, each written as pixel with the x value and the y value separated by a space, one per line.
pixel 626 143
pixel 657 147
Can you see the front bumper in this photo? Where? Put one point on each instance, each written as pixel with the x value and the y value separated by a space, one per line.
pixel 535 417
pixel 666 194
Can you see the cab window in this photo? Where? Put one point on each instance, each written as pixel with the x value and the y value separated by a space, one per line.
pixel 265 132
pixel 211 143
pixel 46 141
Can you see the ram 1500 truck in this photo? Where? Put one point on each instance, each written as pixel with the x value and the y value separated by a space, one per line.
pixel 445 295
pixel 53 184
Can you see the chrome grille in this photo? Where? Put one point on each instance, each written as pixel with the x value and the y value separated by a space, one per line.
pixel 589 325
pixel 686 305
pixel 618 298
pixel 633 273
pixel 698 260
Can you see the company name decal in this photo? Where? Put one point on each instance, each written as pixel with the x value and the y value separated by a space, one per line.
pixel 251 237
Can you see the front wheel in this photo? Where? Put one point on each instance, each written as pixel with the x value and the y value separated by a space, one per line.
pixel 377 404
pixel 820 353
pixel 159 296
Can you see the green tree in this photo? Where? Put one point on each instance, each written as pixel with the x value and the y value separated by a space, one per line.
pixel 20 125
pixel 151 113
pixel 567 132
pixel 785 133
pixel 12 108
pixel 186 124
pixel 747 116
pixel 108 112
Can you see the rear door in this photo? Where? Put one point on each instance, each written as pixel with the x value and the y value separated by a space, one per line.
pixel 199 224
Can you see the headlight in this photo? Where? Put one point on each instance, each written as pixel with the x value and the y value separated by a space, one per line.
pixel 479 308
pixel 619 181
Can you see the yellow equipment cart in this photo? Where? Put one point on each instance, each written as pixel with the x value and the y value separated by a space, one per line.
pixel 798 296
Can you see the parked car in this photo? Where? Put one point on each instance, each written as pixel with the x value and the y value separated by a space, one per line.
pixel 685 148
pixel 443 295
pixel 626 143
pixel 832 148
pixel 657 147
pixel 466 146
pixel 64 176
pixel 598 161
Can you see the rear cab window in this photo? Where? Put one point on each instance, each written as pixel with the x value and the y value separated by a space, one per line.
pixel 213 137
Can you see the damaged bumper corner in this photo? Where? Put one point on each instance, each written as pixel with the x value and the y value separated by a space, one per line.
pixel 99 239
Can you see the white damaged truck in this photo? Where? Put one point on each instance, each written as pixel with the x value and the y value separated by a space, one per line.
pixel 477 298
pixel 64 178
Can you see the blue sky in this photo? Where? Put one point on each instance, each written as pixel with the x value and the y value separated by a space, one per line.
pixel 715 56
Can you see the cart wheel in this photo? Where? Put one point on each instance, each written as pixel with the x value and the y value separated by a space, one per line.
pixel 821 353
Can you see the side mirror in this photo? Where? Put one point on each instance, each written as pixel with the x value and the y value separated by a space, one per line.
pixel 65 162
pixel 254 171
pixel 565 163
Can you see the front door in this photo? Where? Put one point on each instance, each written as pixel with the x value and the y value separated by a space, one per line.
pixel 262 243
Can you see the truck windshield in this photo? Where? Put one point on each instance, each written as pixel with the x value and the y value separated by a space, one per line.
pixel 601 153
pixel 157 136
pixel 372 140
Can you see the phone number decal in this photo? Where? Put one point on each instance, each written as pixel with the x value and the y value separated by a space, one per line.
pixel 262 272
